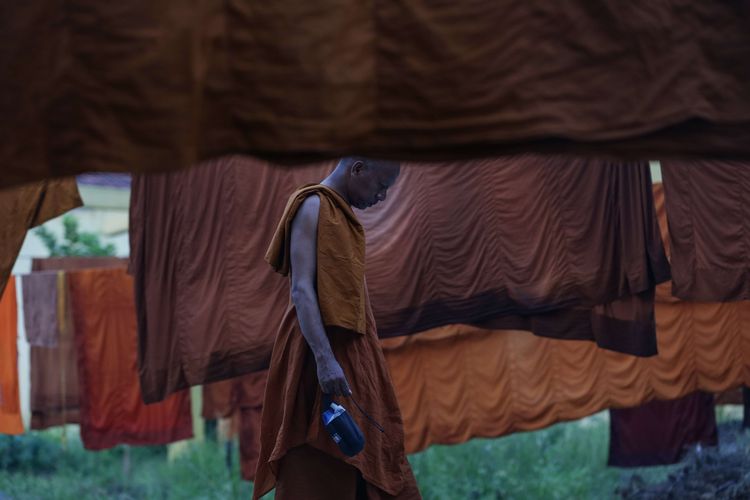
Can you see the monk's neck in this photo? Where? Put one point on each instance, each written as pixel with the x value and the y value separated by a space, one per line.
pixel 338 184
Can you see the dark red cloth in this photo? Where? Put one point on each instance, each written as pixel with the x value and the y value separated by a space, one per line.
pixel 659 432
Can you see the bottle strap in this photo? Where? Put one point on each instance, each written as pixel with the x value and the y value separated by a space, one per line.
pixel 363 412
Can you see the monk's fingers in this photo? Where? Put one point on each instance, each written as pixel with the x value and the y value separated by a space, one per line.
pixel 327 387
pixel 336 387
pixel 332 387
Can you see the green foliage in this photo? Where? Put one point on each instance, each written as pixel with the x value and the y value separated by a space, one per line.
pixel 75 473
pixel 75 243
pixel 28 453
pixel 563 461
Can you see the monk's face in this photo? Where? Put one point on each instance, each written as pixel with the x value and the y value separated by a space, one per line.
pixel 369 182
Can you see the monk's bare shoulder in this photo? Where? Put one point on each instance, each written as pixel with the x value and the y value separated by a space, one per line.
pixel 304 241
pixel 306 218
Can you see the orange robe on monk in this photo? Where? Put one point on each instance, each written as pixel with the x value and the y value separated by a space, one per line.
pixel 297 454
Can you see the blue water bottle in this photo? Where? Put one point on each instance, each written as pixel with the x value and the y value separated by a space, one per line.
pixel 342 428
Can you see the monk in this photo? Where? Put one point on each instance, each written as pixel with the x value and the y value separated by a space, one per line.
pixel 327 343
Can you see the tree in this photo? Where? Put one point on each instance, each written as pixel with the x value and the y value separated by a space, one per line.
pixel 75 243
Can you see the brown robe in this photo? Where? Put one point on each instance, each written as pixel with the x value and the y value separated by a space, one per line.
pixel 292 406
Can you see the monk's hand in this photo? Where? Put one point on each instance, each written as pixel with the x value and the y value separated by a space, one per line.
pixel 331 377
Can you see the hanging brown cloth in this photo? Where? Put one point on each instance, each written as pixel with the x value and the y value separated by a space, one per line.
pixel 100 86
pixel 178 254
pixel 708 209
pixel 457 382
pixel 30 205
pixel 564 248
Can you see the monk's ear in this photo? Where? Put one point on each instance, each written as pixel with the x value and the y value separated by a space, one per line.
pixel 358 167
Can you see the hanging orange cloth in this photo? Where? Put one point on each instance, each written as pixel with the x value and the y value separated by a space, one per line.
pixel 10 408
pixel 112 408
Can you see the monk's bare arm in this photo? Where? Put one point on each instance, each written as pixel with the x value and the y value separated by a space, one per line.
pixel 304 255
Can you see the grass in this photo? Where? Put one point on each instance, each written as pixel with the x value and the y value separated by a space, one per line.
pixel 563 461
pixel 200 472
pixel 567 460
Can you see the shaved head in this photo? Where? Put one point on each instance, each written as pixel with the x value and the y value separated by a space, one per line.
pixel 364 181
pixel 388 166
